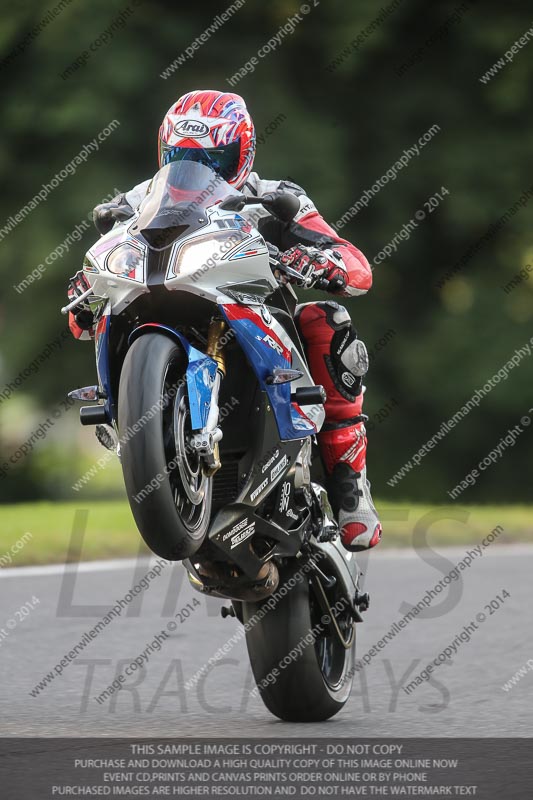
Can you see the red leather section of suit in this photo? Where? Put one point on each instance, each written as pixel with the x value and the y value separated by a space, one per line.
pixel 346 444
pixel 359 271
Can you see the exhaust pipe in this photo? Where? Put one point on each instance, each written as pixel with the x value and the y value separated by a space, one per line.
pixel 227 588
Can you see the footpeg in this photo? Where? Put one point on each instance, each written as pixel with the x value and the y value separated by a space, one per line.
pixel 328 534
pixel 330 529
pixel 362 601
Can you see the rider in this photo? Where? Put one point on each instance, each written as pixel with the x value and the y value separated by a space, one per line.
pixel 215 128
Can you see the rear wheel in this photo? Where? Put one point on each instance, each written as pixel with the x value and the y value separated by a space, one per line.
pixel 303 670
pixel 169 495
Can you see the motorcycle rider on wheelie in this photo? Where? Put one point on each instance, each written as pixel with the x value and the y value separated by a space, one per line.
pixel 215 128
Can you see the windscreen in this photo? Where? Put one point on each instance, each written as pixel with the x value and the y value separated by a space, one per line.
pixel 181 188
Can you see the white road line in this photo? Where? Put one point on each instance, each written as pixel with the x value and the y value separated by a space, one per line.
pixel 387 554
pixel 80 566
pixel 458 551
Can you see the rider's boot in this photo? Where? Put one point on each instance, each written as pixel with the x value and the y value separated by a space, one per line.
pixel 344 454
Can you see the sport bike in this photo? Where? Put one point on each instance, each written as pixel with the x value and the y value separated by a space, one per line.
pixel 204 391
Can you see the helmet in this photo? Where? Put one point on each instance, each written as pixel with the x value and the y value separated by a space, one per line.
pixel 213 128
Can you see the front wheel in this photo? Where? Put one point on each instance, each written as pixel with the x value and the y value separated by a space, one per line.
pixel 169 494
pixel 302 667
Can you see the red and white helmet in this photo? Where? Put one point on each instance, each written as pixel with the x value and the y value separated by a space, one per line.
pixel 213 128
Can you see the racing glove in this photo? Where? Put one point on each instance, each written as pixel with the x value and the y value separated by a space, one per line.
pixel 337 274
pixel 322 269
pixel 309 262
pixel 82 313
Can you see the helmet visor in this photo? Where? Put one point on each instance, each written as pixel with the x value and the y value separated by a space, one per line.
pixel 222 160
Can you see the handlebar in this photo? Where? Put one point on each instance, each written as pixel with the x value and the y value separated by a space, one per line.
pixel 323 283
pixel 76 301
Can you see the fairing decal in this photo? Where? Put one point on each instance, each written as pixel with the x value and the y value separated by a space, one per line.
pixel 265 351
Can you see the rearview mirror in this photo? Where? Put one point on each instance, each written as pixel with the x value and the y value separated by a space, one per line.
pixel 233 202
pixel 283 205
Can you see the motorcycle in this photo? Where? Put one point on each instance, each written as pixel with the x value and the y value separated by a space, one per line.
pixel 204 391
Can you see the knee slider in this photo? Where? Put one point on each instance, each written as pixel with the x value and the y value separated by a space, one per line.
pixel 348 362
pixel 328 326
pixel 355 358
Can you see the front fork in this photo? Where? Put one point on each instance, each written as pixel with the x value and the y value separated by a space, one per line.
pixel 205 443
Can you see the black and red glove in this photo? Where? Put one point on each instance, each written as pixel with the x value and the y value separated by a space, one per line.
pixel 308 262
pixel 81 315
pixel 337 274
pixel 322 269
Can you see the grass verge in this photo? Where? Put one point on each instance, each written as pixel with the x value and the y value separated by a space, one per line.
pixel 110 532
pixel 44 530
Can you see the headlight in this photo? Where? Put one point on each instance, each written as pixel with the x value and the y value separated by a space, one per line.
pixel 207 251
pixel 127 261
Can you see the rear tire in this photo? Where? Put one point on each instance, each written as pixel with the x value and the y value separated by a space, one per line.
pixel 316 684
pixel 173 504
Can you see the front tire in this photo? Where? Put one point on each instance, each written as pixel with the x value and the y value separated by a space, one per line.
pixel 169 495
pixel 316 684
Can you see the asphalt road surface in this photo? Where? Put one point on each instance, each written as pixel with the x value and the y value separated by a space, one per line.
pixel 464 698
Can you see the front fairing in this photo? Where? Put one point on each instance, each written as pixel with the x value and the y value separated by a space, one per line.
pixel 175 239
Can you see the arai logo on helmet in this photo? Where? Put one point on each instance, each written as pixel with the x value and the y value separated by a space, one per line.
pixel 191 127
